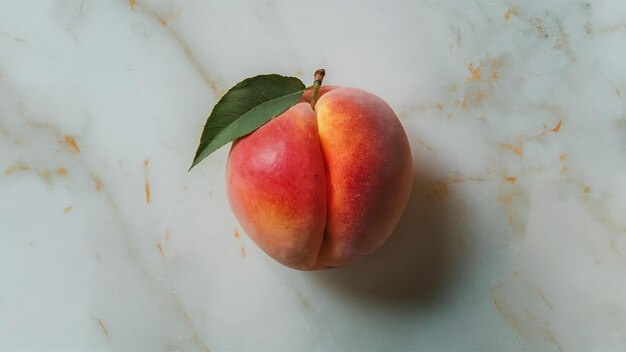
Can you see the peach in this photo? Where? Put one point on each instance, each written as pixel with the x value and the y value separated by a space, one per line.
pixel 320 188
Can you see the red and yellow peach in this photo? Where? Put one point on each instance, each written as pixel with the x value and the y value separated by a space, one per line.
pixel 320 188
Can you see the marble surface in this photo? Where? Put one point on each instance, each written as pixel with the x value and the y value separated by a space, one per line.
pixel 514 237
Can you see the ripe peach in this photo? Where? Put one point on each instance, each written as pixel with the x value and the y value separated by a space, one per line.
pixel 319 188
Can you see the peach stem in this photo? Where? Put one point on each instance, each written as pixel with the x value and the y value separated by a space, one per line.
pixel 317 83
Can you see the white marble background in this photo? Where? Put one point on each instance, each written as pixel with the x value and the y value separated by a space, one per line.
pixel 514 238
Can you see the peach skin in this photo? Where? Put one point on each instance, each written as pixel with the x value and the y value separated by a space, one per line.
pixel 320 188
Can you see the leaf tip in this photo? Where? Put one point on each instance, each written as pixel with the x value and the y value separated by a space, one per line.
pixel 194 163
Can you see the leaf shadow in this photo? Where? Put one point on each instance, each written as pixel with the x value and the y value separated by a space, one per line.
pixel 417 264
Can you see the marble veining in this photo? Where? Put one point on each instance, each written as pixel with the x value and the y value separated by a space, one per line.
pixel 514 237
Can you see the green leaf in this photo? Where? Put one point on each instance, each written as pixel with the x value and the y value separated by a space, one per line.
pixel 247 106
